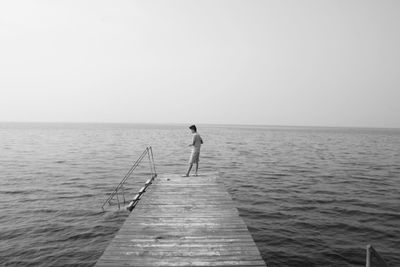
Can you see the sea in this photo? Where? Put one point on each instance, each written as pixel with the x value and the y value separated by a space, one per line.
pixel 310 196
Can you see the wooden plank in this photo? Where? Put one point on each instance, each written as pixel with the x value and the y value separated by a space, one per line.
pixel 183 221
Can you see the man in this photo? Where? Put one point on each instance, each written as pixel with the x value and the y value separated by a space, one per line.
pixel 195 155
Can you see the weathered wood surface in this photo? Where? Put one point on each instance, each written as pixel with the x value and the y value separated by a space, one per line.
pixel 183 221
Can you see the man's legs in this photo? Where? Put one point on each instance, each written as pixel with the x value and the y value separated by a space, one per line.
pixel 197 168
pixel 188 171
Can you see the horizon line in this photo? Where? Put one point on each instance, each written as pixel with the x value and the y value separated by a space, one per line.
pixel 200 123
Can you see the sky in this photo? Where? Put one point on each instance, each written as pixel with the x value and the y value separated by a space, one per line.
pixel 271 62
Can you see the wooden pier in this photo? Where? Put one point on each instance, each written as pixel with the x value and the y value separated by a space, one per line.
pixel 183 221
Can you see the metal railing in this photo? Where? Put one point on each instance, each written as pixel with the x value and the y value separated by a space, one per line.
pixel 374 259
pixel 119 191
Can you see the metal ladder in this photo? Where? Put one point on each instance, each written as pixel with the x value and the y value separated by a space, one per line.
pixel 119 192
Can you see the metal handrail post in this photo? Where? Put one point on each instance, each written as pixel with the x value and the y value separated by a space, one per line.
pixel 119 207
pixel 372 253
pixel 150 163
pixel 152 159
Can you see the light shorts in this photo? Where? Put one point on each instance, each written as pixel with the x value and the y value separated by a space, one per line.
pixel 194 157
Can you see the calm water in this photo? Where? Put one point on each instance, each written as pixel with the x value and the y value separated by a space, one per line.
pixel 310 196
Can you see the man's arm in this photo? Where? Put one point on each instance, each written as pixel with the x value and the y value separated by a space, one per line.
pixel 192 144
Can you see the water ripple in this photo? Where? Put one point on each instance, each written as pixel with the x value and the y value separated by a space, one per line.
pixel 310 196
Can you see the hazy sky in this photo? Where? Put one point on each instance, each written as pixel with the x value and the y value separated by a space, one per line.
pixel 324 63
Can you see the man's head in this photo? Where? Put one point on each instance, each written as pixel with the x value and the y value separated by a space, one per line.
pixel 193 128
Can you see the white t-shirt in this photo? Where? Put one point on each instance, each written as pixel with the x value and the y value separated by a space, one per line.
pixel 197 142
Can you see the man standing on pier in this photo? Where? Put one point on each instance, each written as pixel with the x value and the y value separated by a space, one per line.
pixel 195 155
